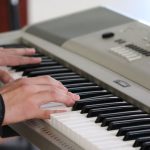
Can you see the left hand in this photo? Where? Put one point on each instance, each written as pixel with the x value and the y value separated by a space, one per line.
pixel 17 56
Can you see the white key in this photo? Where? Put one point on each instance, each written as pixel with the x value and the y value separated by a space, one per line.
pixel 86 133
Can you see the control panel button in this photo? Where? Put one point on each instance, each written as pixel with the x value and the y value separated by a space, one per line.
pixel 107 35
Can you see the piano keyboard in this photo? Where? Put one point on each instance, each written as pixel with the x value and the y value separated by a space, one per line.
pixel 100 120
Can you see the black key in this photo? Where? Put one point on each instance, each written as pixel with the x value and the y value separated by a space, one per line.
pixel 132 135
pixel 14 46
pixel 45 57
pixel 23 67
pixel 94 100
pixel 27 71
pixel 126 123
pixel 76 85
pixel 68 77
pixel 145 146
pixel 71 81
pixel 47 72
pixel 92 93
pixel 122 131
pixel 85 89
pixel 141 140
pixel 37 55
pixel 96 112
pixel 46 60
pixel 106 121
pixel 62 74
pixel 87 108
pixel 101 117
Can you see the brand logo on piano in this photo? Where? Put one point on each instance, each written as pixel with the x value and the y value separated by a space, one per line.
pixel 122 83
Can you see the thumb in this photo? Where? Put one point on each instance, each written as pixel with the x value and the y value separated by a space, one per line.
pixel 5 77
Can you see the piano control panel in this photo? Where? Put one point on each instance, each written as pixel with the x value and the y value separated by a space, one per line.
pixel 125 49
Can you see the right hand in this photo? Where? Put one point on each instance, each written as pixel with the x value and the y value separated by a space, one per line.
pixel 5 77
pixel 24 97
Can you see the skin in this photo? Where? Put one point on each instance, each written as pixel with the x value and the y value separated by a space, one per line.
pixel 23 97
pixel 36 91
pixel 14 57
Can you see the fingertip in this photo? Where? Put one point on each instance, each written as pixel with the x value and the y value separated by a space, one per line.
pixel 37 60
pixel 32 50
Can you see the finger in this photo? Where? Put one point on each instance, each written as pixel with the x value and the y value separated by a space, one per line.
pixel 5 77
pixel 20 60
pixel 45 114
pixel 34 84
pixel 19 51
pixel 75 97
pixel 40 88
pixel 42 80
pixel 54 96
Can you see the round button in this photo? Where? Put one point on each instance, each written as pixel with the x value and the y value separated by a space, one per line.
pixel 107 35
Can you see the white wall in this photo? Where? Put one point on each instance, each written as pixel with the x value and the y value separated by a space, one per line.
pixel 40 10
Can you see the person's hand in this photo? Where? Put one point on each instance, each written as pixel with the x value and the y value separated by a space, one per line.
pixel 5 77
pixel 24 97
pixel 17 56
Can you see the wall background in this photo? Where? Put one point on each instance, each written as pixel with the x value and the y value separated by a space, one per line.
pixel 40 10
